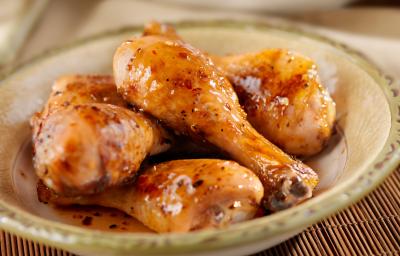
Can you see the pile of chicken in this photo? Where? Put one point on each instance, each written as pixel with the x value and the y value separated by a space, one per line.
pixel 95 132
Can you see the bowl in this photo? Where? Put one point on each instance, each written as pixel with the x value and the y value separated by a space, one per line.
pixel 361 154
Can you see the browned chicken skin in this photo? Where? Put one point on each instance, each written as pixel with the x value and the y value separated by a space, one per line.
pixel 280 91
pixel 180 196
pixel 151 71
pixel 283 98
pixel 82 147
pixel 78 89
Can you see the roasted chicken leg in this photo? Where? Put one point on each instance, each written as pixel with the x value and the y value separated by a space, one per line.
pixel 82 147
pixel 180 196
pixel 179 85
pixel 284 100
pixel 280 91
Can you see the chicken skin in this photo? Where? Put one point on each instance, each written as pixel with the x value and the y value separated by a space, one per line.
pixel 283 98
pixel 153 70
pixel 81 89
pixel 78 89
pixel 180 196
pixel 281 93
pixel 82 147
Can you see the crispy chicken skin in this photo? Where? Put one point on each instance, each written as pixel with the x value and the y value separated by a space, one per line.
pixel 152 70
pixel 82 147
pixel 181 195
pixel 281 93
pixel 78 89
pixel 284 100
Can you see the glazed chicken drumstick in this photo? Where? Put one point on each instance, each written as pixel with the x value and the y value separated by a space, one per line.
pixel 83 145
pixel 181 195
pixel 281 93
pixel 283 98
pixel 179 85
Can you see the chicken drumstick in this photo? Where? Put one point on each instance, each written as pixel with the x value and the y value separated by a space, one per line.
pixel 180 196
pixel 179 85
pixel 83 145
pixel 280 91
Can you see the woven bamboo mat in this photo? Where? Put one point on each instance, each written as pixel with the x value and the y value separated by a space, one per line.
pixel 370 227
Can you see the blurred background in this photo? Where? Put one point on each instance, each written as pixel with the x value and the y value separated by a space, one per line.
pixel 30 27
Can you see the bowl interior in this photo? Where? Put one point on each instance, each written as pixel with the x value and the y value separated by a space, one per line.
pixel 363 127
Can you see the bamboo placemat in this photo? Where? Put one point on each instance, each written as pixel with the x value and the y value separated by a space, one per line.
pixel 370 227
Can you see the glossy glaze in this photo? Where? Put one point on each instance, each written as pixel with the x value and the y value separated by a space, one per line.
pixel 179 85
pixel 280 91
pixel 284 100
pixel 82 147
pixel 181 195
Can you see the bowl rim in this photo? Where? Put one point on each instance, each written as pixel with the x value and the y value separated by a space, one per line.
pixel 74 238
